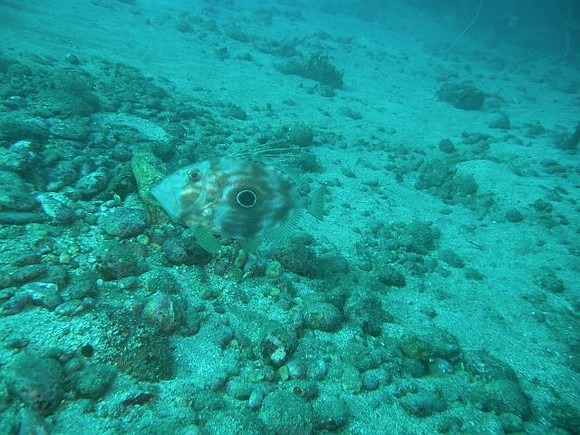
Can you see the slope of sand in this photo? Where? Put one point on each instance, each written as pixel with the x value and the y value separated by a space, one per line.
pixel 387 118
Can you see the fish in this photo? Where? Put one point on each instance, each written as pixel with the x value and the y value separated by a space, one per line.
pixel 243 199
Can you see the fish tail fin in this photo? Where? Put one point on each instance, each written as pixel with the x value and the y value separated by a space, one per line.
pixel 316 203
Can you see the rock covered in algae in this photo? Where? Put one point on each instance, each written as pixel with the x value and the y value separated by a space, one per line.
pixel 148 170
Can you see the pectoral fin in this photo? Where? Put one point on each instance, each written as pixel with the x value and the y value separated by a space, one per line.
pixel 207 240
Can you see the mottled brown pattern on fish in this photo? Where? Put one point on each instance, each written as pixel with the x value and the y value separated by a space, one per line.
pixel 210 200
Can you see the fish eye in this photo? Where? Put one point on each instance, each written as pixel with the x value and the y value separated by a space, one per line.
pixel 246 198
pixel 194 176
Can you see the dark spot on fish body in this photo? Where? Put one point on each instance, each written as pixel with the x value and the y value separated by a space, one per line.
pixel 246 198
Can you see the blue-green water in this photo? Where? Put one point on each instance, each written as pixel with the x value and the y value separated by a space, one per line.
pixel 437 294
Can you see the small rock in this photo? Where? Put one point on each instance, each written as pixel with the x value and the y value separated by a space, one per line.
pixel 423 404
pixel 499 121
pixel 301 135
pixel 94 380
pixel 514 215
pixel 42 294
pixel 21 217
pixel 56 206
pixel 162 311
pixel 283 412
pixel 92 183
pixel 72 59
pixel 331 413
pixel 501 396
pixel 124 222
pixel 36 381
pixel 323 316
pixel 462 96
pixel 15 194
pixel 277 346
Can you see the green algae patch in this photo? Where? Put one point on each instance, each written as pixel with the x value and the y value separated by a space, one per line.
pixel 148 170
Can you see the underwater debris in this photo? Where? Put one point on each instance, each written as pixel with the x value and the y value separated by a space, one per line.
pixel 462 96
pixel 570 143
pixel 139 399
pixel 317 68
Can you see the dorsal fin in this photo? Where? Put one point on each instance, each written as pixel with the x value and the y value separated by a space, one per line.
pixel 276 151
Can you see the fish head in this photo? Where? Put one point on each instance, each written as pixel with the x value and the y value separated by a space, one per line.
pixel 188 195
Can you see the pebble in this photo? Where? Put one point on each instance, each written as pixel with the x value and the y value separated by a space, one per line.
pixel 256 398
pixel 351 380
pixel 162 311
pixel 94 380
pixel 21 218
pixel 42 294
pixel 423 404
pixel 69 308
pixel 277 346
pixel 56 206
pixel 36 380
pixel 15 193
pixel 296 369
pixel 322 316
pixel 283 412
pixel 29 273
pixel 331 413
pixel 124 222
pixel 92 183
pixel 318 370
